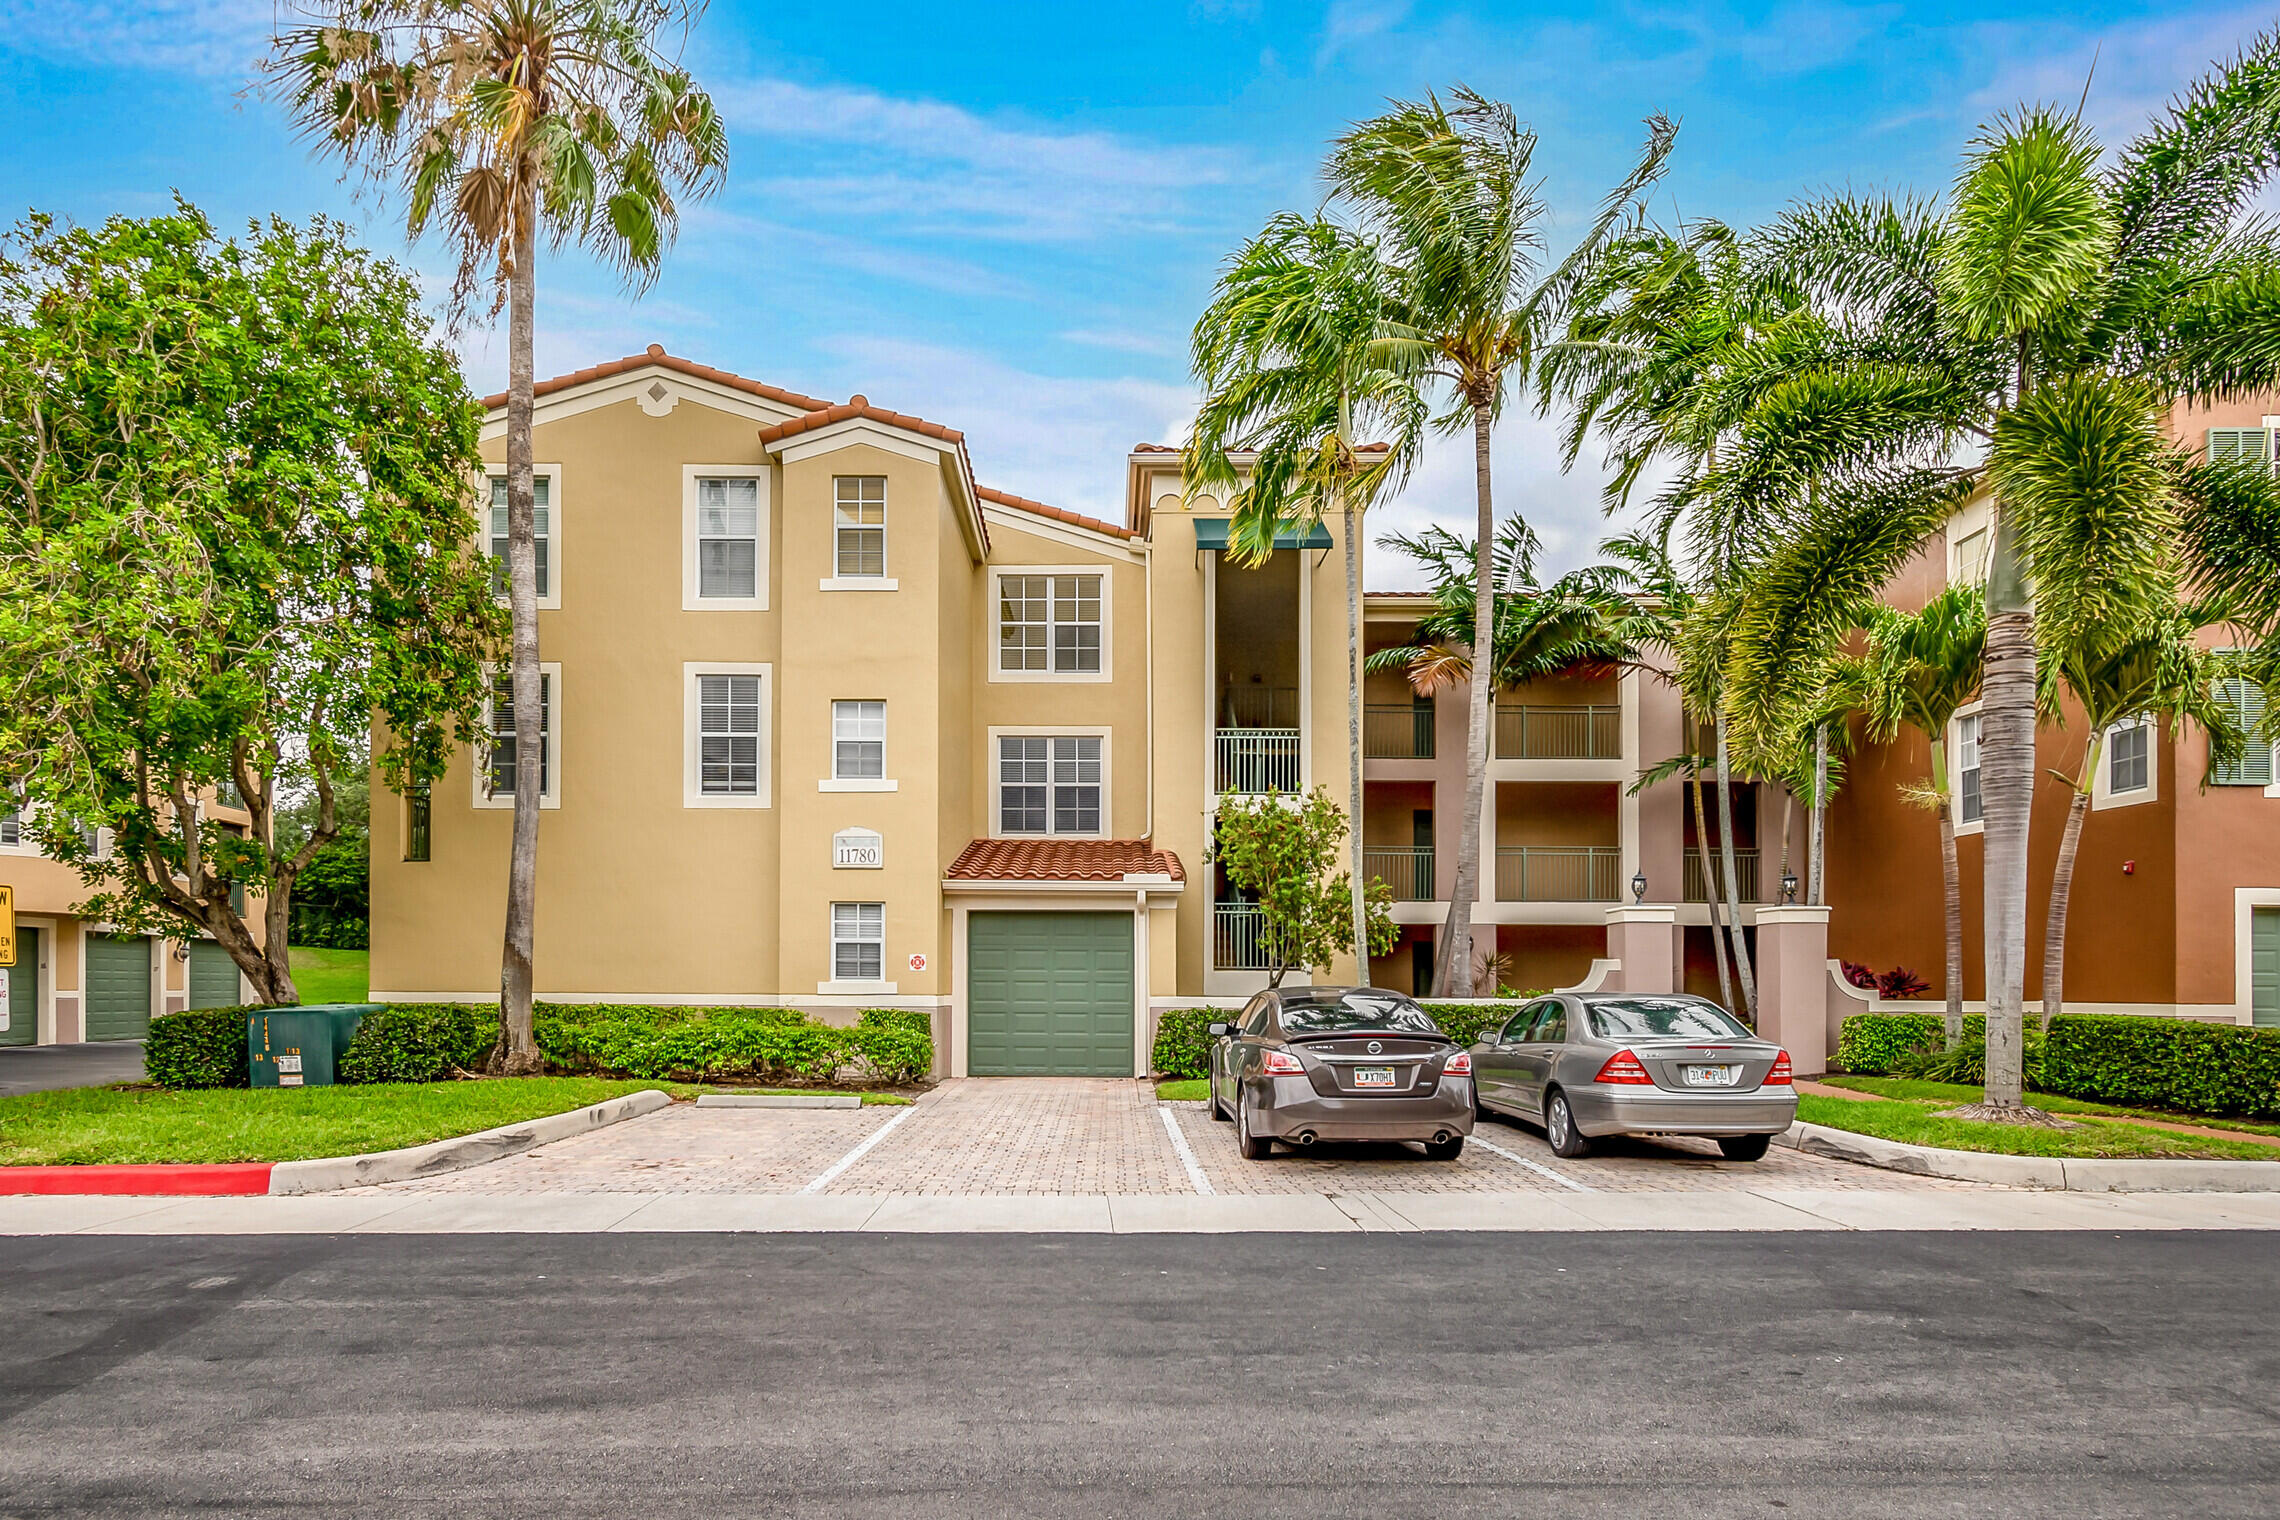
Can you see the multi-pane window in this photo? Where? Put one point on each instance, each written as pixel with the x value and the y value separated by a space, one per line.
pixel 728 537
pixel 2245 701
pixel 858 741
pixel 11 826
pixel 419 822
pixel 2129 754
pixel 1049 785
pixel 1968 805
pixel 542 518
pixel 1049 623
pixel 858 942
pixel 728 735
pixel 503 734
pixel 859 516
pixel 1971 558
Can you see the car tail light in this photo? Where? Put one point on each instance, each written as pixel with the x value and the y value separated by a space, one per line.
pixel 1281 1063
pixel 1779 1076
pixel 1459 1065
pixel 1624 1067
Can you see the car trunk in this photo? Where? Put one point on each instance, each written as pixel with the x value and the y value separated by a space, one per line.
pixel 1360 1064
pixel 1667 1061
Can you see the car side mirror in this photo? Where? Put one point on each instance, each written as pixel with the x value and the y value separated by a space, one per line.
pixel 1221 1031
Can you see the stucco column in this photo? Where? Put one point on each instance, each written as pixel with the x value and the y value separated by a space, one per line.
pixel 1793 970
pixel 1645 940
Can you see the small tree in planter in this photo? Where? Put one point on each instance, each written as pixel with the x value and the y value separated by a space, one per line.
pixel 1282 849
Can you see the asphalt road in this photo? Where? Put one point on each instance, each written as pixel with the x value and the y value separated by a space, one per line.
pixel 1253 1375
pixel 44 1068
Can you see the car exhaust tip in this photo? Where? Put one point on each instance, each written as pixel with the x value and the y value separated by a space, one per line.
pixel 1440 1137
pixel 1305 1137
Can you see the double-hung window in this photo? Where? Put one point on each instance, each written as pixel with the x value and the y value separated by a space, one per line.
pixel 502 768
pixel 1969 808
pixel 1049 784
pixel 728 538
pixel 542 530
pixel 1049 624
pixel 2129 756
pixel 728 735
pixel 859 521
pixel 858 741
pixel 2244 700
pixel 858 942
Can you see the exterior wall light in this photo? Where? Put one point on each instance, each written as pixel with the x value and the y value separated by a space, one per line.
pixel 1789 888
pixel 1638 886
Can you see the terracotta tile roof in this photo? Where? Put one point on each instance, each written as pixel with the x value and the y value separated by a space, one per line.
pixel 857 406
pixel 657 356
pixel 1063 860
pixel 1023 503
pixel 1153 448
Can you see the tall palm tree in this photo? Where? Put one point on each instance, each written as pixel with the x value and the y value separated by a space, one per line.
pixel 502 121
pixel 2157 671
pixel 1445 190
pixel 1294 377
pixel 1921 669
pixel 2025 342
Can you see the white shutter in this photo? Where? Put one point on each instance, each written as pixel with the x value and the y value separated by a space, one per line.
pixel 2239 445
pixel 2245 701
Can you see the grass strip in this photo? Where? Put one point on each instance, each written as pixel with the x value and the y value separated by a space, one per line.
pixel 1917 1123
pixel 1956 1092
pixel 1184 1090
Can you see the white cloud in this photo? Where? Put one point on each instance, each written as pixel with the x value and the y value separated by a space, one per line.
pixel 1162 345
pixel 1352 22
pixel 2132 69
pixel 711 234
pixel 191 36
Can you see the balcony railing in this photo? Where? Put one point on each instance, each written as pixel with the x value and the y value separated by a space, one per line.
pixel 1559 733
pixel 1236 941
pixel 1409 871
pixel 1258 707
pixel 1402 731
pixel 1557 873
pixel 1253 760
pixel 1698 879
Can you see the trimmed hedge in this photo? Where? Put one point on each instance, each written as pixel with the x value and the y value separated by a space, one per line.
pixel 1872 1044
pixel 204 1047
pixel 1183 1043
pixel 2182 1064
pixel 420 1042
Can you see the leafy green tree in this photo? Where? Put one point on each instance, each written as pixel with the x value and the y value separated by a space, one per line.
pixel 502 121
pixel 234 526
pixel 1283 849
pixel 1445 192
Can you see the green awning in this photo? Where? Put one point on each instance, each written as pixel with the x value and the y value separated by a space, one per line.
pixel 1211 533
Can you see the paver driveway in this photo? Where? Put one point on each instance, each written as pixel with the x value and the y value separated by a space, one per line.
pixel 1073 1136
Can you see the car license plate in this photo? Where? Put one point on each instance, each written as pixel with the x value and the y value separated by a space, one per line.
pixel 1373 1076
pixel 1712 1076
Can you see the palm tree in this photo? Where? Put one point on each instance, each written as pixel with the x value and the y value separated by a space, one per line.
pixel 1922 668
pixel 2159 671
pixel 2046 320
pixel 500 121
pixel 1293 373
pixel 1445 190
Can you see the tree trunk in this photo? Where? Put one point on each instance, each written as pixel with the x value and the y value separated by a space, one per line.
pixel 517 1050
pixel 2062 884
pixel 1710 892
pixel 1817 850
pixel 2007 793
pixel 1733 887
pixel 1354 738
pixel 1480 711
pixel 1951 889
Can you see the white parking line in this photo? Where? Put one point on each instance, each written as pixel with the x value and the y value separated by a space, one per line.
pixel 857 1154
pixel 1533 1166
pixel 1187 1156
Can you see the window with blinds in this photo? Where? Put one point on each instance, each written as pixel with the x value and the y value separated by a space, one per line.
pixel 1049 624
pixel 858 942
pixel 11 827
pixel 728 538
pixel 1049 784
pixel 858 741
pixel 542 524
pixel 503 735
pixel 859 514
pixel 728 735
pixel 2129 757
pixel 1969 805
pixel 2240 445
pixel 2245 701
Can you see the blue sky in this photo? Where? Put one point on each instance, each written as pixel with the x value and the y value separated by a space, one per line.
pixel 1005 217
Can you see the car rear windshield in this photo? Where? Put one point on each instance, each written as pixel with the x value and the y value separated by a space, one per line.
pixel 1664 1019
pixel 1354 1010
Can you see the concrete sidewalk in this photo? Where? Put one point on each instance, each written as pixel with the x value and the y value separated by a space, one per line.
pixel 1724 1211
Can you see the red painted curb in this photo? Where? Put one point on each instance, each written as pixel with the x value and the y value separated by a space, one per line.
pixel 227 1179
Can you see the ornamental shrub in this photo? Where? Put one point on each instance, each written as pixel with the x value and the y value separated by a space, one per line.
pixel 2182 1064
pixel 1183 1040
pixel 894 1045
pixel 204 1047
pixel 1872 1044
pixel 715 1044
pixel 419 1042
pixel 1463 1022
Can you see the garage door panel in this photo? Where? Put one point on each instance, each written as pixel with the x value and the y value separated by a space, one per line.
pixel 1049 994
pixel 24 991
pixel 117 979
pixel 213 976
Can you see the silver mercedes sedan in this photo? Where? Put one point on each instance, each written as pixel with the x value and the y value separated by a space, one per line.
pixel 1591 1065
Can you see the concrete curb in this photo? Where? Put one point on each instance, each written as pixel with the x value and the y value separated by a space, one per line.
pixel 291 1178
pixel 2054 1173
pixel 778 1100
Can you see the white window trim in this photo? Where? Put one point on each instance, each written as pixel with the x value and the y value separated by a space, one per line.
pixel 693 794
pixel 690 578
pixel 552 601
pixel 1055 731
pixel 877 988
pixel 1107 671
pixel 838 783
pixel 1972 518
pixel 882 581
pixel 2246 900
pixel 551 796
pixel 2102 794
pixel 1955 776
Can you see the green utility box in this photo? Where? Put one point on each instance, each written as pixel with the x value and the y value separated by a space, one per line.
pixel 297 1047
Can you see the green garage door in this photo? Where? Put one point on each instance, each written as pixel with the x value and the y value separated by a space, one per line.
pixel 213 976
pixel 117 978
pixel 1049 994
pixel 2264 965
pixel 24 991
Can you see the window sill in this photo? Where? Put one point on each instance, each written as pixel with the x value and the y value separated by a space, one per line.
pixel 856 989
pixel 857 583
pixel 866 785
pixel 1010 834
pixel 748 801
pixel 724 604
pixel 2102 802
pixel 1065 677
pixel 505 801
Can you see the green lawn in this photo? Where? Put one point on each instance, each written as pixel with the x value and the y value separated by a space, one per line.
pixel 331 976
pixel 1917 1123
pixel 271 1124
pixel 1953 1092
pixel 1184 1090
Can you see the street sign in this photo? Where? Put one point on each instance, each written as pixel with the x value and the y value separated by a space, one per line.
pixel 7 926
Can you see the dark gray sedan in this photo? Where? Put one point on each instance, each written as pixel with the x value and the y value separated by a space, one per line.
pixel 1340 1063
pixel 1593 1065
